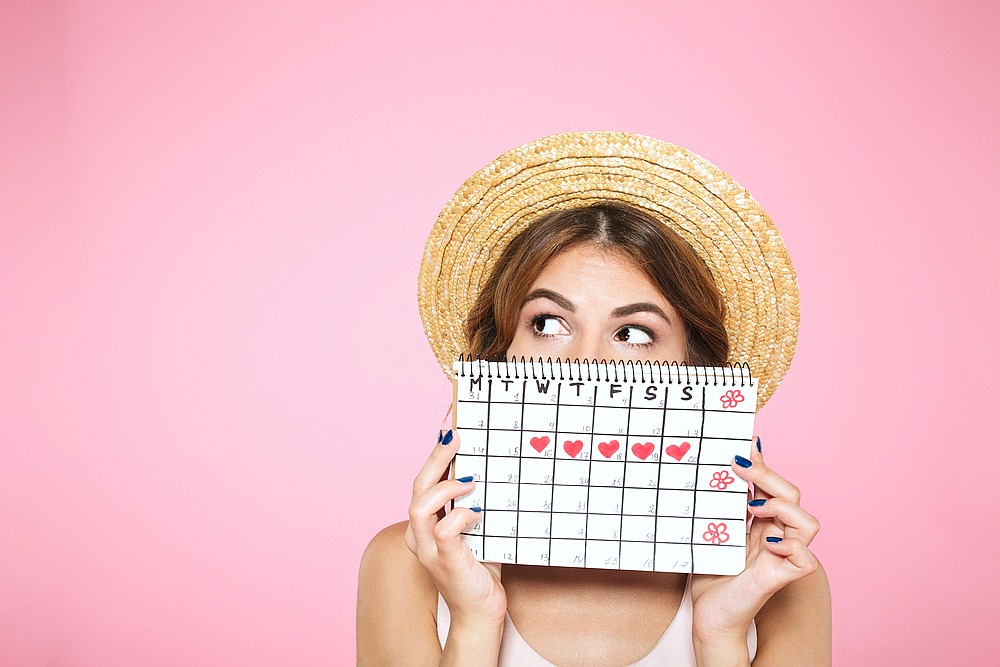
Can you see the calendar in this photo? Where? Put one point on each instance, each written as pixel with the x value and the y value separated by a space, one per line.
pixel 619 465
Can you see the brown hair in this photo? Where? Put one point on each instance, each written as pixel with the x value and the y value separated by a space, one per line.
pixel 666 259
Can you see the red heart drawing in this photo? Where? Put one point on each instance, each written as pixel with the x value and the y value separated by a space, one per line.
pixel 608 448
pixel 538 444
pixel 573 447
pixel 642 450
pixel 677 452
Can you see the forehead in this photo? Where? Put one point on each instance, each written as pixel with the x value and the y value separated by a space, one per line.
pixel 596 274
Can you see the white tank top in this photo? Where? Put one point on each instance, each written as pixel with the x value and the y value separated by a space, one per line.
pixel 674 648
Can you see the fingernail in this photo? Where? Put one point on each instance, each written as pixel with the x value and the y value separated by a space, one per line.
pixel 447 438
pixel 476 509
pixel 757 502
pixel 742 462
pixel 464 480
pixel 440 435
pixel 773 540
pixel 758 445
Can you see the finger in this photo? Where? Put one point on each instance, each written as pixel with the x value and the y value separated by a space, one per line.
pixel 756 457
pixel 766 482
pixel 796 522
pixel 756 451
pixel 424 509
pixel 802 562
pixel 448 533
pixel 437 463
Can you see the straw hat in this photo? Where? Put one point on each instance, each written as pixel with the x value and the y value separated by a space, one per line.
pixel 684 191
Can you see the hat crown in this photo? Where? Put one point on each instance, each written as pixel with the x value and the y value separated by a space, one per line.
pixel 719 218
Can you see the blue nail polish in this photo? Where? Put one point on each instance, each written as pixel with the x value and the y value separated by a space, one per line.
pixel 464 480
pixel 773 540
pixel 742 462
pixel 440 436
pixel 757 502
pixel 758 445
pixel 447 438
pixel 476 509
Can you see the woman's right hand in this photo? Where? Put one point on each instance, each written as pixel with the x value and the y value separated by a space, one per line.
pixel 471 589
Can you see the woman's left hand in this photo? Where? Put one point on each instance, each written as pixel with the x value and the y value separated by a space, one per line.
pixel 724 606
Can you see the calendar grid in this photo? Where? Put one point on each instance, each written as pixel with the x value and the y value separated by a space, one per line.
pixel 599 475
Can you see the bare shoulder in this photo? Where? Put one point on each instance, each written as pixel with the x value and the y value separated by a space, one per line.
pixel 397 604
pixel 794 626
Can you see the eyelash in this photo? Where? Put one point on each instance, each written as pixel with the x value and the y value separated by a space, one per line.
pixel 545 316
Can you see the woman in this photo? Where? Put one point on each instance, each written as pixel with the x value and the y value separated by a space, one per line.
pixel 600 246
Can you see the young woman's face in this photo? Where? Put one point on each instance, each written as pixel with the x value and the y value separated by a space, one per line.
pixel 591 304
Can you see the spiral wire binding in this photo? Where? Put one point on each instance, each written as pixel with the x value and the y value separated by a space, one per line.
pixel 631 371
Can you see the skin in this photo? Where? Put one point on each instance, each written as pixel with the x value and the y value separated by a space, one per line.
pixel 589 304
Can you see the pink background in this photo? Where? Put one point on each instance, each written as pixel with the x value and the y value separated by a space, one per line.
pixel 211 219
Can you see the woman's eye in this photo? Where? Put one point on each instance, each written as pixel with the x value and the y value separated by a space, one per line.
pixel 634 336
pixel 547 326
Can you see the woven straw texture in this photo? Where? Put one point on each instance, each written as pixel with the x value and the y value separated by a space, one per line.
pixel 689 194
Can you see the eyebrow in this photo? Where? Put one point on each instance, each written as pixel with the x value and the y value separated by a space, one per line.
pixel 642 307
pixel 556 297
pixel 621 311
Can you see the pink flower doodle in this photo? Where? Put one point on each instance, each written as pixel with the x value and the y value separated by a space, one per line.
pixel 721 479
pixel 732 398
pixel 716 533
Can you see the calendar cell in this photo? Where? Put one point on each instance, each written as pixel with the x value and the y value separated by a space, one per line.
pixel 535 498
pixel 568 553
pixel 721 452
pixel 604 527
pixel 569 499
pixel 572 473
pixel 673 558
pixel 470 466
pixel 639 502
pixel 475 544
pixel 537 470
pixel 539 417
pixel 575 419
pixel 639 528
pixel 569 526
pixel 502 469
pixel 646 422
pixel 605 500
pixel 603 554
pixel 499 549
pixel 716 505
pixel 607 473
pixel 611 421
pixel 504 443
pixel 505 416
pixel 641 475
pixel 637 556
pixel 532 551
pixel 683 424
pixel 501 496
pixel 534 524
pixel 673 529
pixel 678 476
pixel 499 523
